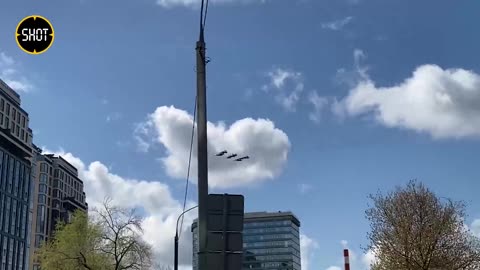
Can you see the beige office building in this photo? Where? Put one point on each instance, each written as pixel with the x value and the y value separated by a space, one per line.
pixel 58 192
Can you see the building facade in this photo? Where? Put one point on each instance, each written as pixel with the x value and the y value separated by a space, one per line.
pixel 15 181
pixel 270 241
pixel 58 192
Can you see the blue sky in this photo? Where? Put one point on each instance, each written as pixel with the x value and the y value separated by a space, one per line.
pixel 334 100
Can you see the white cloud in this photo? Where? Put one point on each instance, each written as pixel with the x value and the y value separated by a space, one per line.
pixel 369 258
pixel 5 59
pixel 304 188
pixel 113 117
pixel 444 103
pixel 266 145
pixel 144 136
pixel 475 227
pixel 359 57
pixel 9 74
pixel 154 198
pixel 337 24
pixel 334 268
pixel 307 246
pixel 286 86
pixel 142 145
pixel 196 3
pixel 359 72
pixel 318 103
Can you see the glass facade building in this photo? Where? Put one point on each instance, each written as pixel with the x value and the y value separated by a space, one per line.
pixel 15 181
pixel 270 241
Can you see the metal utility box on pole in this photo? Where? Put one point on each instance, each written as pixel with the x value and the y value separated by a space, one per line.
pixel 225 226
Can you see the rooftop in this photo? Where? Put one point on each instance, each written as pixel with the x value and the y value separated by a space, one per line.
pixel 10 92
pixel 256 216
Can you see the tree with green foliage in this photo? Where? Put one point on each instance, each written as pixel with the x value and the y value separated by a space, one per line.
pixel 110 239
pixel 76 245
pixel 413 229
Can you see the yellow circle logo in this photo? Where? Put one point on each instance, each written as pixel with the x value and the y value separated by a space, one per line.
pixel 34 34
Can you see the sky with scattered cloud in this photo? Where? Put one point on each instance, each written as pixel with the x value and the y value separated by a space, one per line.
pixel 331 100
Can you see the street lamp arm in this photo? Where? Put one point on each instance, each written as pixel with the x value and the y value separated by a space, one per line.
pixel 175 259
pixel 181 215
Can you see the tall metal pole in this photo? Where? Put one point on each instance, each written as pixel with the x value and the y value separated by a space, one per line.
pixel 175 253
pixel 202 151
pixel 175 250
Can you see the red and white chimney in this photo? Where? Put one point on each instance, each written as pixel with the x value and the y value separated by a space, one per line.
pixel 347 259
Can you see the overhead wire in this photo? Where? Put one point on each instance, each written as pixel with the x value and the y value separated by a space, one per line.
pixel 189 164
pixel 205 16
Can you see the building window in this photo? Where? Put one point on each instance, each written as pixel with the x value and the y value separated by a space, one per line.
pixel 42 198
pixel 22 134
pixel 8 109
pixel 1 119
pixel 42 188
pixel 43 178
pixel 7 214
pixel 40 219
pixel 26 185
pixel 16 178
pixel 23 121
pixel 38 240
pixel 1 208
pixel 18 118
pixel 56 203
pixel 43 167
pixel 18 131
pixel 2 104
pixel 14 216
pixel 11 166
pixel 14 114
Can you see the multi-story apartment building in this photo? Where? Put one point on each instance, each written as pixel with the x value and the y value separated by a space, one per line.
pixel 270 241
pixel 15 180
pixel 58 193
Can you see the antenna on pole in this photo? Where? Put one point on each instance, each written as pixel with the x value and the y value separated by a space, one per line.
pixel 201 38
